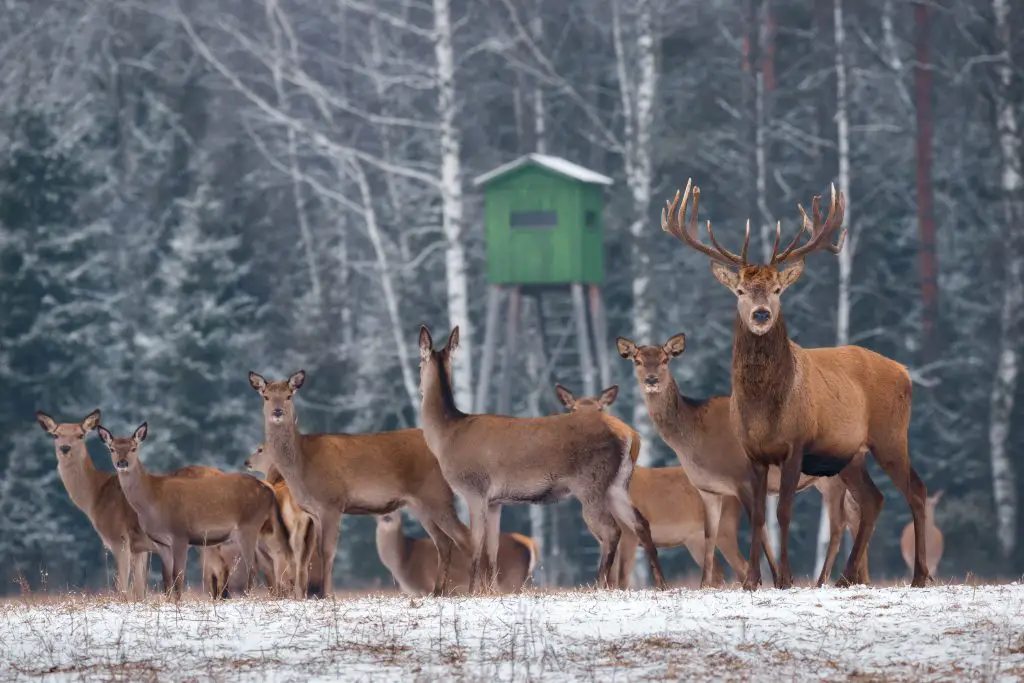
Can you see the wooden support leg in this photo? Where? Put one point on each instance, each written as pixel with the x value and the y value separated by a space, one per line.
pixel 600 326
pixel 483 386
pixel 583 340
pixel 505 393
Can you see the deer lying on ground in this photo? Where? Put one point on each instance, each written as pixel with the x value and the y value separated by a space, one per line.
pixel 933 537
pixel 810 411
pixel 700 433
pixel 301 535
pixel 366 474
pixel 413 562
pixel 493 460
pixel 176 512
pixel 671 505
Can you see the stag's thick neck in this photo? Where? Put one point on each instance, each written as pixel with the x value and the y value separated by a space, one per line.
pixel 82 480
pixel 438 407
pixel 763 366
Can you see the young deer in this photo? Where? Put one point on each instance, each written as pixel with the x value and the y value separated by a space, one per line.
pixel 413 562
pixel 301 535
pixel 672 506
pixel 809 411
pixel 934 541
pixel 700 433
pixel 176 512
pixel 366 474
pixel 493 460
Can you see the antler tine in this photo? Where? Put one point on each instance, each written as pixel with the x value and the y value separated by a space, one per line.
pixel 733 259
pixel 821 233
pixel 673 221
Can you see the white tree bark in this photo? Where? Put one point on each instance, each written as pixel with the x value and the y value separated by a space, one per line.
pixel 1004 387
pixel 451 202
pixel 637 70
pixel 846 255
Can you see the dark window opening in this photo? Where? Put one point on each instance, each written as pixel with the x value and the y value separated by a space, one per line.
pixel 590 219
pixel 533 219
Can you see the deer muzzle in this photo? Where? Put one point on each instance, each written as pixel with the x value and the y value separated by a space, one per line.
pixel 121 465
pixel 761 316
pixel 277 414
pixel 65 449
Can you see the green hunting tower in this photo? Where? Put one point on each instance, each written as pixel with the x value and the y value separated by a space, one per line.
pixel 544 231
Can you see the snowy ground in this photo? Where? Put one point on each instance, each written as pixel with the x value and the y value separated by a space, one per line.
pixel 939 633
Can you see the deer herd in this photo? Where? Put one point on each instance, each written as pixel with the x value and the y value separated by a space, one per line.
pixel 796 418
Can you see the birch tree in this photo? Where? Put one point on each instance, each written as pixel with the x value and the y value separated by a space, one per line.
pixel 1004 386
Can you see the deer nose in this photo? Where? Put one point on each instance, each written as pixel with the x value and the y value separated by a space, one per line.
pixel 121 464
pixel 651 380
pixel 277 412
pixel 761 316
pixel 65 449
pixel 248 465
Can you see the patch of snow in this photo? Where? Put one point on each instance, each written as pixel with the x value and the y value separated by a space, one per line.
pixel 947 632
pixel 552 163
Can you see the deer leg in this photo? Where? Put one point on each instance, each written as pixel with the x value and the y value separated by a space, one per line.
pixel 832 494
pixel 728 541
pixel 643 532
pixel 179 556
pixel 894 457
pixel 853 521
pixel 747 498
pixel 443 546
pixel 443 526
pixel 477 536
pixel 787 493
pixel 166 568
pixel 330 528
pixel 140 569
pixel 123 565
pixel 603 526
pixel 759 478
pixel 712 516
pixel 300 559
pixel 869 501
pixel 625 558
pixel 491 545
pixel 308 541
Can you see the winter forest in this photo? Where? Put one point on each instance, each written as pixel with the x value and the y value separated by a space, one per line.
pixel 192 190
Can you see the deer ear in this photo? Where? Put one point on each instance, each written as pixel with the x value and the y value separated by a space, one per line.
pixel 565 396
pixel 725 275
pixel 296 381
pixel 675 345
pixel 48 424
pixel 257 382
pixel 453 340
pixel 91 420
pixel 141 432
pixel 791 274
pixel 935 496
pixel 105 436
pixel 625 347
pixel 426 342
pixel 609 394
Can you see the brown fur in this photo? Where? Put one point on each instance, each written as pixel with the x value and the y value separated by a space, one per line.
pixel 935 543
pixel 176 512
pixel 808 409
pixel 493 460
pixel 299 525
pixel 701 435
pixel 413 562
pixel 366 474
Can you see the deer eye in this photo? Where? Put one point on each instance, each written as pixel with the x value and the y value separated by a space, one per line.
pixel 740 291
pixel 778 290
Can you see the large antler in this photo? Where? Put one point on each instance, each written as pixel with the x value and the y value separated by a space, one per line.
pixel 821 234
pixel 673 217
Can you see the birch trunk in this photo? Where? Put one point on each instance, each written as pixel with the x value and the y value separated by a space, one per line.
pixel 1004 387
pixel 846 255
pixel 451 202
pixel 638 93
pixel 925 195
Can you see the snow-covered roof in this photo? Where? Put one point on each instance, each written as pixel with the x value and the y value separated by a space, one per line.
pixel 556 164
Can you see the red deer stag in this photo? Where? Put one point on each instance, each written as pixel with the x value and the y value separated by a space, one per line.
pixel 934 541
pixel 809 411
pixel 700 433
pixel 176 512
pixel 672 506
pixel 493 460
pixel 413 562
pixel 301 535
pixel 356 474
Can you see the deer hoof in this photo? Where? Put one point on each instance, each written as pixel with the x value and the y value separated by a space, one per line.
pixel 751 584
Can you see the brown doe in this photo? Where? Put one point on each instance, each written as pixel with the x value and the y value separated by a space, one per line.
pixel 934 541
pixel 357 474
pixel 700 433
pixel 494 460
pixel 178 512
pixel 672 506
pixel 413 562
pixel 301 535
pixel 810 411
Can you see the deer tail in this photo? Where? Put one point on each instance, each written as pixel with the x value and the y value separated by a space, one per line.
pixel 634 446
pixel 529 546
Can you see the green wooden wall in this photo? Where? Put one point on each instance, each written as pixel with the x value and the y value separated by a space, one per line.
pixel 569 251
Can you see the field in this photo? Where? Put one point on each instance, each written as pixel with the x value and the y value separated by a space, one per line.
pixel 953 632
